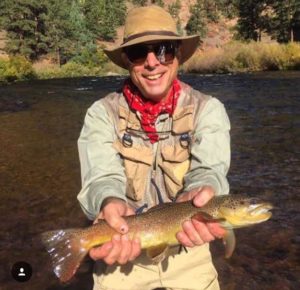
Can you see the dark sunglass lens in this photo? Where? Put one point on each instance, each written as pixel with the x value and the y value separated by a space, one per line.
pixel 165 52
pixel 136 53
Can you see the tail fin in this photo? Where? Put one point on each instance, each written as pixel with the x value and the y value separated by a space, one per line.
pixel 66 250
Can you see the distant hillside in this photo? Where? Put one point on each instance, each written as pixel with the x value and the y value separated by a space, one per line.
pixel 218 33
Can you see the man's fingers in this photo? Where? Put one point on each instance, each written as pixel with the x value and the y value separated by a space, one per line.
pixel 203 196
pixel 136 249
pixel 114 254
pixel 99 253
pixel 216 229
pixel 184 239
pixel 191 232
pixel 130 211
pixel 188 195
pixel 203 230
pixel 125 250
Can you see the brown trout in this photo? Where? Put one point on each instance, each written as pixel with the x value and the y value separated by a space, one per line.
pixel 156 229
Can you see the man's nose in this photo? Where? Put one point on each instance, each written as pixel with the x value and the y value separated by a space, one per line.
pixel 151 60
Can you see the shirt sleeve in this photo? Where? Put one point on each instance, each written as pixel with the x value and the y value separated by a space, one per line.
pixel 210 152
pixel 102 171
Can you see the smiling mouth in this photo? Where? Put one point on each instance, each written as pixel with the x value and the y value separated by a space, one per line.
pixel 153 77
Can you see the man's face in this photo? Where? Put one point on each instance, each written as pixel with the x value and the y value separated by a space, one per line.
pixel 153 78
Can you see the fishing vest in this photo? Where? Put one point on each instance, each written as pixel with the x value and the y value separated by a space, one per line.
pixel 155 172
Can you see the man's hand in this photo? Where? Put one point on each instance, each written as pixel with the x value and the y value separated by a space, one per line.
pixel 120 249
pixel 195 232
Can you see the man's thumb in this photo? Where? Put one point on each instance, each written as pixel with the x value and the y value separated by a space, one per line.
pixel 118 223
pixel 203 196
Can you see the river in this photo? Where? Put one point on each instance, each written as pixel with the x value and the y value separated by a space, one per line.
pixel 40 178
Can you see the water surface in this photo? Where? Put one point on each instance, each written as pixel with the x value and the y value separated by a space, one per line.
pixel 39 173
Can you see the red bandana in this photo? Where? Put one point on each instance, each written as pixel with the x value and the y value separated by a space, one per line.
pixel 150 110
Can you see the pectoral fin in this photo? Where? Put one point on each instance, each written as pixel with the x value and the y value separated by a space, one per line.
pixel 229 242
pixel 157 254
pixel 203 216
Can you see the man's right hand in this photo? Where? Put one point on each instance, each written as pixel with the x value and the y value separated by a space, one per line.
pixel 120 249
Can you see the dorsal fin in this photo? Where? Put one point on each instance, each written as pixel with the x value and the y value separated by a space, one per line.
pixel 161 206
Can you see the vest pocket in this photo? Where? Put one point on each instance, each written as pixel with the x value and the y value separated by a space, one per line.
pixel 137 162
pixel 175 163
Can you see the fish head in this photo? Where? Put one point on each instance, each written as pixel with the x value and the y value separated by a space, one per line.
pixel 240 211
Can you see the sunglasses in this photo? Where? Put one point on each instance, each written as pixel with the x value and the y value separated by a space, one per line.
pixel 165 52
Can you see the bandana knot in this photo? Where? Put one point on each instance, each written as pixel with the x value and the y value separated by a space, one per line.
pixel 148 109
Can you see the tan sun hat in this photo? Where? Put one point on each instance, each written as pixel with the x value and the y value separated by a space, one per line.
pixel 151 23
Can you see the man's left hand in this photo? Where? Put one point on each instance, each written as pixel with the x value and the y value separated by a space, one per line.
pixel 196 232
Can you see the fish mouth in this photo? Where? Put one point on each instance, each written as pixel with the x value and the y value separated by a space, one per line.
pixel 260 212
pixel 248 214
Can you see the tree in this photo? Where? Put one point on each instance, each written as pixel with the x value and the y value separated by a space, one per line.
pixel 104 16
pixel 228 8
pixel 174 10
pixel 197 21
pixel 36 27
pixel 24 21
pixel 250 23
pixel 60 29
pixel 139 2
pixel 211 10
pixel 284 19
pixel 158 2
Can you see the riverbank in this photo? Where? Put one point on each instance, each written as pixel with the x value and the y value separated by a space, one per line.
pixel 231 58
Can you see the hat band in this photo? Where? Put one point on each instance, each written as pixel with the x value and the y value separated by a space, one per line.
pixel 161 33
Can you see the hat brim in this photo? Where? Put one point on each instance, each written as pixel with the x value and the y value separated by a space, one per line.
pixel 188 46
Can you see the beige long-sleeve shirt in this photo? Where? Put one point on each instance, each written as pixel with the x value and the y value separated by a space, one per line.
pixel 102 169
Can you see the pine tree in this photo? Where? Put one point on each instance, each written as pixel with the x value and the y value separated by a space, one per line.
pixel 24 21
pixel 60 30
pixel 211 10
pixel 174 10
pixel 228 8
pixel 283 22
pixel 197 21
pixel 139 2
pixel 104 16
pixel 250 23
pixel 158 2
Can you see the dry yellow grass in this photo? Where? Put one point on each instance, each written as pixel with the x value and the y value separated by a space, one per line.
pixel 240 57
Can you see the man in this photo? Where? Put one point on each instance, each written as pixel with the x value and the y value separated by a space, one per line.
pixel 156 140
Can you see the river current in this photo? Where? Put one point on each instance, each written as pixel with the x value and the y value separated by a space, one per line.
pixel 40 178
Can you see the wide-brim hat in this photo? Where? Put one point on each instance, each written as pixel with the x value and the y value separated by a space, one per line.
pixel 151 23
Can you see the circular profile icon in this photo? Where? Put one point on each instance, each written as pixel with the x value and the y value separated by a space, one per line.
pixel 21 271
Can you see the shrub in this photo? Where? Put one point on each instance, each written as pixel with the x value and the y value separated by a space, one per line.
pixel 91 57
pixel 73 69
pixel 272 57
pixel 16 68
